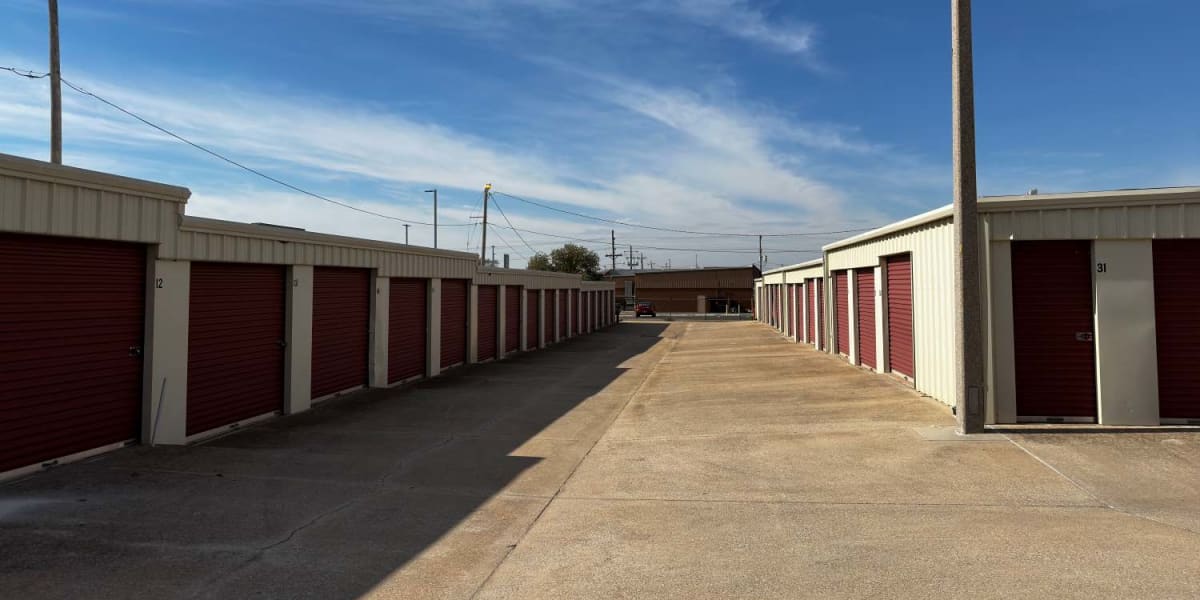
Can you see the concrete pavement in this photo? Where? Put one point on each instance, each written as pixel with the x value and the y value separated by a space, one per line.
pixel 650 460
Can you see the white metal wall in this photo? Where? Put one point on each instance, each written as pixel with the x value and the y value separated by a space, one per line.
pixel 932 248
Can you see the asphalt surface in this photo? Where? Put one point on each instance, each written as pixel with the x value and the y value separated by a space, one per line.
pixel 650 460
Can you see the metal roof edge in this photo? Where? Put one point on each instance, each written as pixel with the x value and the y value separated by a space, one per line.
pixel 286 234
pixel 19 166
pixel 924 218
pixel 796 267
pixel 1078 199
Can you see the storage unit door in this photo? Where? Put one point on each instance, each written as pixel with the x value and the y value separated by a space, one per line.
pixel 841 312
pixel 531 319
pixel 865 298
pixel 575 304
pixel 791 310
pixel 512 318
pixel 340 329
pixel 1177 315
pixel 486 317
pixel 235 343
pixel 454 322
pixel 71 314
pixel 1052 330
pixel 408 328
pixel 821 314
pixel 562 313
pixel 548 323
pixel 813 318
pixel 900 315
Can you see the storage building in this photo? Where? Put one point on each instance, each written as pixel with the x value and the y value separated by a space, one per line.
pixel 123 319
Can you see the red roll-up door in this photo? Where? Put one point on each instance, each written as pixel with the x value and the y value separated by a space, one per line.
pixel 820 313
pixel 865 298
pixel 813 317
pixel 549 321
pixel 531 319
pixel 1177 315
pixel 71 315
pixel 486 331
pixel 575 304
pixel 562 313
pixel 408 328
pixel 1052 330
pixel 340 329
pixel 791 319
pixel 512 318
pixel 900 315
pixel 454 322
pixel 841 312
pixel 235 343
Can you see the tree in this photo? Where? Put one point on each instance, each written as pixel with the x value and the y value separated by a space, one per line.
pixel 540 262
pixel 571 258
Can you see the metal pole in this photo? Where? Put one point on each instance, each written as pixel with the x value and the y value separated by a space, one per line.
pixel 493 254
pixel 968 313
pixel 760 255
pixel 483 243
pixel 55 89
pixel 434 190
pixel 406 234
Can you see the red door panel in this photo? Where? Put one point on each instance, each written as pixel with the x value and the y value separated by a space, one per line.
pixel 575 304
pixel 820 309
pixel 512 318
pixel 486 330
pixel 791 310
pixel 531 319
pixel 340 329
pixel 865 298
pixel 454 322
pixel 408 329
pixel 813 317
pixel 841 311
pixel 70 311
pixel 1052 330
pixel 562 313
pixel 1177 312
pixel 900 315
pixel 235 343
pixel 549 320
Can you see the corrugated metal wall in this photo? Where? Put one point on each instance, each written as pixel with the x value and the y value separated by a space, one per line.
pixel 932 248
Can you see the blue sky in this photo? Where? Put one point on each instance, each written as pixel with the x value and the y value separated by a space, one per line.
pixel 711 115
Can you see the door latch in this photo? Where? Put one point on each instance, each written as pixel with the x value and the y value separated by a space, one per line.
pixel 135 351
pixel 1084 336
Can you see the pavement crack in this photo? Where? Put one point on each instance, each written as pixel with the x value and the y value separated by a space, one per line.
pixel 291 534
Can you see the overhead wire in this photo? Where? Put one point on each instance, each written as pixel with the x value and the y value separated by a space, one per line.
pixel 674 230
pixel 33 75
pixel 515 230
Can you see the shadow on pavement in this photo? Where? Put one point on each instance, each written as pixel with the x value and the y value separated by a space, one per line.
pixel 333 502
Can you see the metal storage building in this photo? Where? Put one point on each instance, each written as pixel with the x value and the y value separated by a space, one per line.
pixel 122 319
pixel 1090 314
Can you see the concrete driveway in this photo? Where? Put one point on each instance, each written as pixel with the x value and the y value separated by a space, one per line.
pixel 689 460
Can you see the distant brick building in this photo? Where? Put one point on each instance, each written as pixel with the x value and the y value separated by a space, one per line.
pixel 714 289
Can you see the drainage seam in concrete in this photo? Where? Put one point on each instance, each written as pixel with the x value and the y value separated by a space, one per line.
pixel 1096 506
pixel 672 341
pixel 1101 501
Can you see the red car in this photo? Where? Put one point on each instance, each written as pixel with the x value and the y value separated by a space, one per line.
pixel 644 308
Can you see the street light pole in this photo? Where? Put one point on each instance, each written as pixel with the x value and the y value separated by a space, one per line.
pixel 968 314
pixel 434 191
pixel 406 226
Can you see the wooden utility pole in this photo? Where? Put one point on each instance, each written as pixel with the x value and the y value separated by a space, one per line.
pixel 406 226
pixel 483 244
pixel 760 255
pixel 613 251
pixel 55 89
pixel 968 314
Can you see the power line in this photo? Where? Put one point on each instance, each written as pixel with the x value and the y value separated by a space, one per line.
pixel 660 248
pixel 32 75
pixel 515 230
pixel 510 246
pixel 672 230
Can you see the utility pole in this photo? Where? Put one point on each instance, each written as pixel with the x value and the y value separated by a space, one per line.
pixel 614 254
pixel 642 261
pixel 630 259
pixel 406 226
pixel 434 190
pixel 493 254
pixel 483 244
pixel 968 313
pixel 55 89
pixel 760 254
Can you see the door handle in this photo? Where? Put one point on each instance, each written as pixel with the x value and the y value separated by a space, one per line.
pixel 1084 336
pixel 135 351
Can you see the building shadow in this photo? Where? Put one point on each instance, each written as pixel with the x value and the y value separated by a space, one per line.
pixel 329 503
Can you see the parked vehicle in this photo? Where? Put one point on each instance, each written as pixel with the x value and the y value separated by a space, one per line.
pixel 644 308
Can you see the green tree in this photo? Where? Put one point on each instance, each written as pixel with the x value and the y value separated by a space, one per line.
pixel 571 258
pixel 540 262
